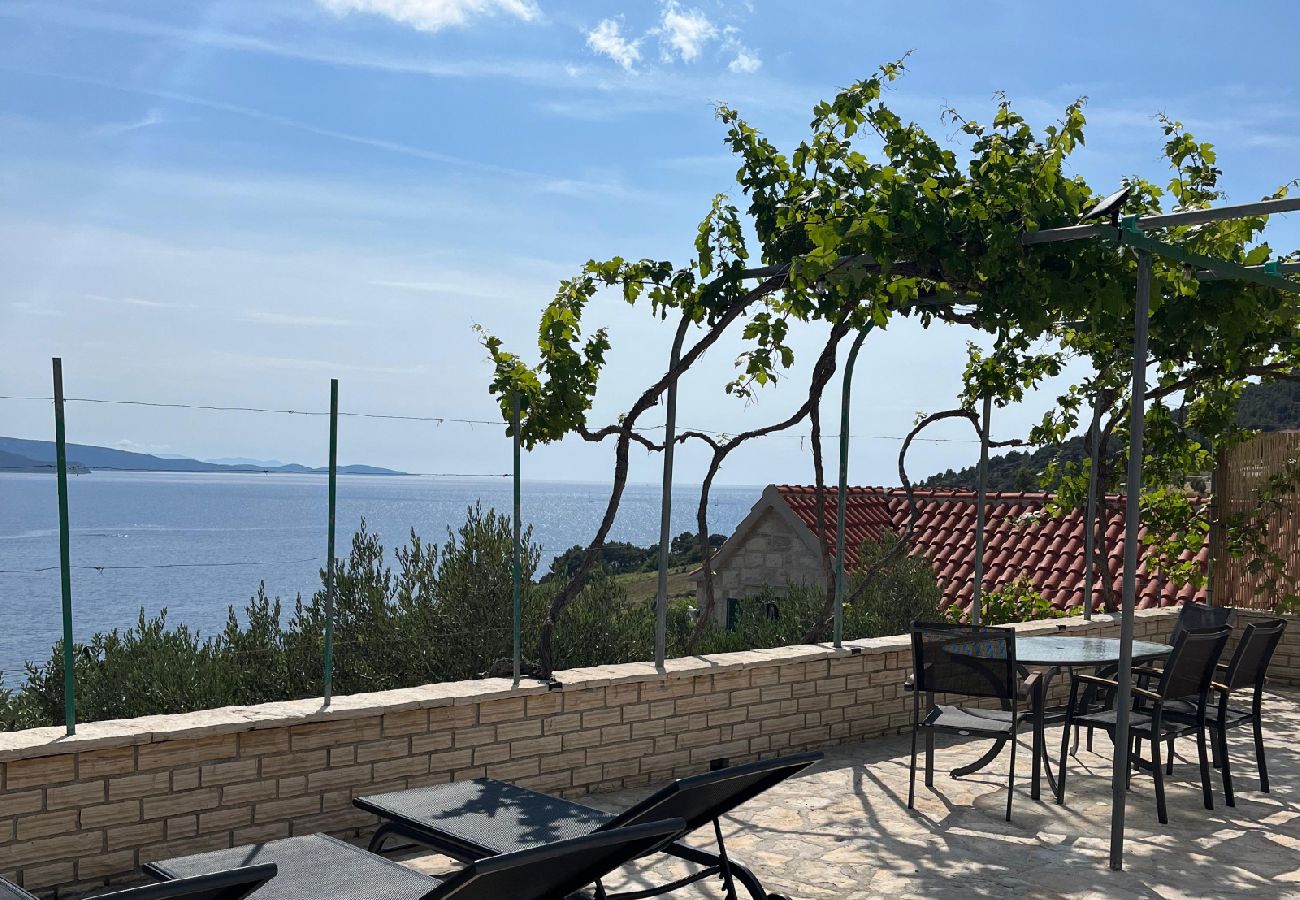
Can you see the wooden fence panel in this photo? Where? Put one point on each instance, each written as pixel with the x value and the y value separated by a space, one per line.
pixel 1242 471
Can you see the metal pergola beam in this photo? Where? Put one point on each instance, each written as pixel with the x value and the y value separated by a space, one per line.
pixel 1168 220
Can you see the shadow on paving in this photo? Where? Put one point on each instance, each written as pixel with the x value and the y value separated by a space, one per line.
pixel 842 829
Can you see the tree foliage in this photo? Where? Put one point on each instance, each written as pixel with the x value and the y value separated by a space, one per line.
pixel 870 218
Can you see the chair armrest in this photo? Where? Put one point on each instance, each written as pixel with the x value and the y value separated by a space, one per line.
pixel 1094 679
pixel 1143 692
pixel 1030 685
pixel 1221 688
pixel 1149 670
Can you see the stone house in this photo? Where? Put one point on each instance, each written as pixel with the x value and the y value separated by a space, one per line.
pixel 776 545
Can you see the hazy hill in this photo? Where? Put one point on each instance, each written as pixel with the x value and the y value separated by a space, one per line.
pixel 1268 407
pixel 39 455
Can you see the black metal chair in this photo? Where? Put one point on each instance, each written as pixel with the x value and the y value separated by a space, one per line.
pixel 970 661
pixel 231 884
pixel 1198 615
pixel 1248 668
pixel 470 820
pixel 1187 673
pixel 1190 615
pixel 319 867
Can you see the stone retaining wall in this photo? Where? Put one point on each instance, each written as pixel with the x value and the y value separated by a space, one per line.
pixel 77 812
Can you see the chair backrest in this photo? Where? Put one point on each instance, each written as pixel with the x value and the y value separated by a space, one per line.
pixel 1250 662
pixel 700 799
pixel 1190 667
pixel 974 660
pixel 1198 615
pixel 232 884
pixel 555 870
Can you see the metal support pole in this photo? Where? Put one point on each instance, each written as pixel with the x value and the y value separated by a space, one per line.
pixel 842 495
pixel 516 566
pixel 1132 511
pixel 981 490
pixel 65 553
pixel 1090 516
pixel 329 552
pixel 665 517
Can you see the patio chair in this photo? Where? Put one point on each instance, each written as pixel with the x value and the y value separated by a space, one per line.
pixel 320 867
pixel 470 820
pixel 1187 673
pixel 1248 668
pixel 230 884
pixel 969 661
pixel 1190 615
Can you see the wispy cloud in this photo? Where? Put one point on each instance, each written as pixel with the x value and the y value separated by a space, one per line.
pixel 684 32
pixel 607 39
pixel 275 318
pixel 256 362
pixel 32 309
pixel 517 69
pixel 434 15
pixel 114 129
pixel 139 301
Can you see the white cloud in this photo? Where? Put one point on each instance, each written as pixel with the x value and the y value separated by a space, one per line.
pixel 434 15
pixel 746 62
pixel 607 39
pixel 684 31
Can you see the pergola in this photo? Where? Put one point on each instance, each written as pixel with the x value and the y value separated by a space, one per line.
pixel 1132 232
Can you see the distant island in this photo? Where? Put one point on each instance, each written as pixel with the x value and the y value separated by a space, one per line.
pixel 19 455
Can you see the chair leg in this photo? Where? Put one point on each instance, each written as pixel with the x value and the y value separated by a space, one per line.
pixel 929 758
pixel 1011 774
pixel 1221 741
pixel 1065 755
pixel 911 772
pixel 1205 768
pixel 1159 772
pixel 1169 757
pixel 1259 755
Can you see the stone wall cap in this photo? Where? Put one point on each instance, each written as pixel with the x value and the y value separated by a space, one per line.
pixel 233 719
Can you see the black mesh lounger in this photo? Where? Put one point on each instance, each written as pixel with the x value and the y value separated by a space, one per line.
pixel 228 884
pixel 320 867
pixel 470 820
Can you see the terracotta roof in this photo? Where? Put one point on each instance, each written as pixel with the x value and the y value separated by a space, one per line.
pixel 1021 539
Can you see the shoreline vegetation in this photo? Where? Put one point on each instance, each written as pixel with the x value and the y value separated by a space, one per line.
pixel 441 613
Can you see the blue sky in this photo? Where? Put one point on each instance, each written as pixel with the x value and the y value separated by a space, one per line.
pixel 230 202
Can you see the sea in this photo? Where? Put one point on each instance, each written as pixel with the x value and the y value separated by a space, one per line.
pixel 196 544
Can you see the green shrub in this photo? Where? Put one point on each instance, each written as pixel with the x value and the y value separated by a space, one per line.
pixel 442 613
pixel 1016 601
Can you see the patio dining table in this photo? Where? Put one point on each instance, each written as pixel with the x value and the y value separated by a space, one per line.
pixel 1050 654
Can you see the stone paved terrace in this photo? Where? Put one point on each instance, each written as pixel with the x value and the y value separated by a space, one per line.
pixel 844 831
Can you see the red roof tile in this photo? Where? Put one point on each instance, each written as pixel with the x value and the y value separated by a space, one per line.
pixel 1021 539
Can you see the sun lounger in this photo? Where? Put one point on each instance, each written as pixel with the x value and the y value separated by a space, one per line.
pixel 230 884
pixel 319 867
pixel 482 818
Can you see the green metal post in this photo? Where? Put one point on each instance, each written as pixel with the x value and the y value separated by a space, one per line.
pixel 516 568
pixel 65 553
pixel 329 571
pixel 838 634
pixel 981 493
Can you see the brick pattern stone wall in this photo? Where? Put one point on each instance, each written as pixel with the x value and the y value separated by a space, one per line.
pixel 773 557
pixel 78 812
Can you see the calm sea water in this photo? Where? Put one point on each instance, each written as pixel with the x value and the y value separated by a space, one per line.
pixel 267 527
